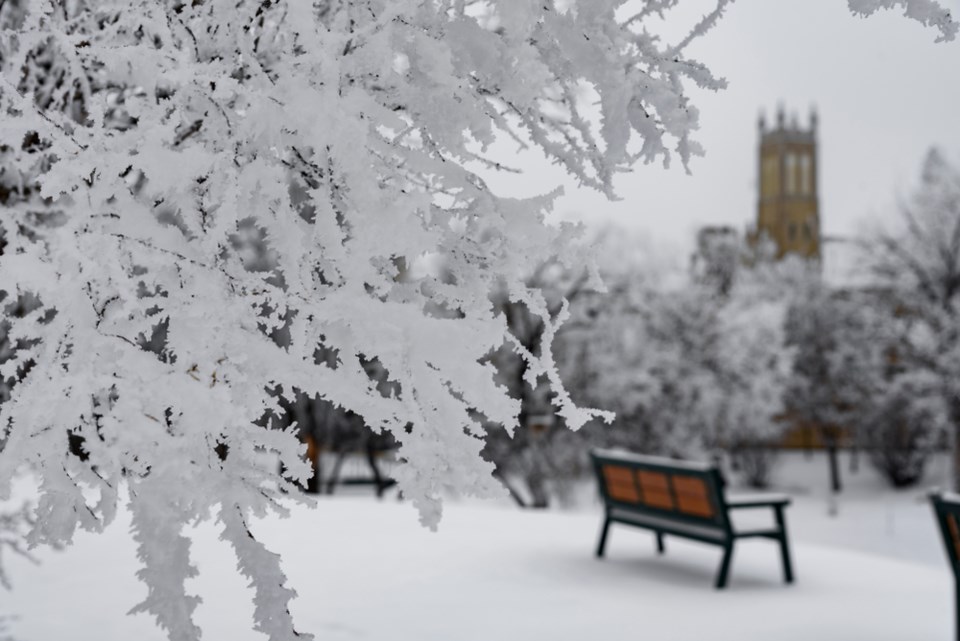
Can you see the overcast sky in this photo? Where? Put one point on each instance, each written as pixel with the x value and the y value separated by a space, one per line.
pixel 885 93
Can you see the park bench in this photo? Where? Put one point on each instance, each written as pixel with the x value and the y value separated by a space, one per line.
pixel 368 450
pixel 683 499
pixel 947 510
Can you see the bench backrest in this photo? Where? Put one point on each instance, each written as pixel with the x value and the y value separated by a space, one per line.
pixel 947 509
pixel 681 490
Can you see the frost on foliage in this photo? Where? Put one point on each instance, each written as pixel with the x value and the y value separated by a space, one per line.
pixel 756 359
pixel 689 366
pixel 921 255
pixel 918 261
pixel 165 553
pixel 184 182
pixel 928 12
pixel 262 567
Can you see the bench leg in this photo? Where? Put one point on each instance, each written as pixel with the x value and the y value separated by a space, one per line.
pixel 784 547
pixel 660 547
pixel 956 595
pixel 602 543
pixel 724 566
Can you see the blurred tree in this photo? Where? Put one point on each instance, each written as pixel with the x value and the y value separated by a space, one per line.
pixel 541 453
pixel 719 255
pixel 919 264
pixel 756 361
pixel 824 391
pixel 690 368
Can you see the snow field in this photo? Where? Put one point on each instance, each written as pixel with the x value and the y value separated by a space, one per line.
pixel 367 570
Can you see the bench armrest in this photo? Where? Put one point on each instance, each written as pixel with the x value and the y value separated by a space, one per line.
pixel 757 500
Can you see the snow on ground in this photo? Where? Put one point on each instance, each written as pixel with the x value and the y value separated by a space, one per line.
pixel 871 517
pixel 366 570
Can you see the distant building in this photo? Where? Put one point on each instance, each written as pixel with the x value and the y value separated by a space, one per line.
pixel 788 208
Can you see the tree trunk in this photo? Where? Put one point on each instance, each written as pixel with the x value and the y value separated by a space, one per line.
pixel 536 479
pixel 510 489
pixel 955 416
pixel 735 458
pixel 538 491
pixel 834 460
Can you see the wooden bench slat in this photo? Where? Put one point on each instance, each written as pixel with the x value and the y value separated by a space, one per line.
pixel 620 483
pixel 655 489
pixel 692 494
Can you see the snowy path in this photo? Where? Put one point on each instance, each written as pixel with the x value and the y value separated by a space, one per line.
pixel 367 570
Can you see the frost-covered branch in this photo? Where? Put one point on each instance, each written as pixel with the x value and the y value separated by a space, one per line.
pixel 928 12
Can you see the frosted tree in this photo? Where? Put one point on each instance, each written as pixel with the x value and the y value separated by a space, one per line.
pixel 919 263
pixel 756 359
pixel 146 139
pixel 690 367
pixel 826 388
pixel 717 259
pixel 646 349
pixel 347 135
pixel 904 424
pixel 606 356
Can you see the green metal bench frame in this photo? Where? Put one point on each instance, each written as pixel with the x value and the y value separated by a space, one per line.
pixel 714 530
pixel 946 507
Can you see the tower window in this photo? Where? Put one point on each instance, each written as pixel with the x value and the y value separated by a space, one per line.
pixel 792 232
pixel 769 179
pixel 790 170
pixel 806 174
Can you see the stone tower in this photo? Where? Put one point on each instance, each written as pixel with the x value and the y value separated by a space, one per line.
pixel 788 209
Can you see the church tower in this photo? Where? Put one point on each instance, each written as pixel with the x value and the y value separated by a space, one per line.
pixel 788 210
